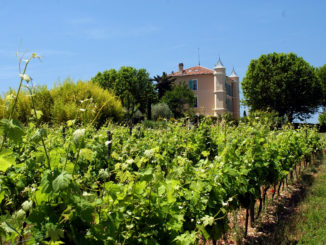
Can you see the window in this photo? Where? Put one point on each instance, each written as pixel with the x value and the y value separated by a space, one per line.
pixel 229 104
pixel 193 84
pixel 229 89
pixel 196 102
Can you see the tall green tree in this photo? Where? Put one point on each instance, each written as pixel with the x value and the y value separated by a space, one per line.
pixel 284 83
pixel 321 73
pixel 180 99
pixel 132 85
pixel 163 84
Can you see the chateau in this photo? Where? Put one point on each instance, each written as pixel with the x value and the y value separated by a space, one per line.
pixel 215 92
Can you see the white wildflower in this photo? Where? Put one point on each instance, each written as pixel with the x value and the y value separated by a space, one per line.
pixel 35 55
pixel 86 194
pixel 149 153
pixel 27 205
pixel 130 161
pixel 19 214
pixel 103 173
pixel 82 109
pixel 108 142
pixel 25 77
pixel 78 135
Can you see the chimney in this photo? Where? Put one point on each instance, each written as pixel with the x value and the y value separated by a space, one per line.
pixel 181 68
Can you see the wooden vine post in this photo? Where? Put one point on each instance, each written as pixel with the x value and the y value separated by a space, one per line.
pixel 109 135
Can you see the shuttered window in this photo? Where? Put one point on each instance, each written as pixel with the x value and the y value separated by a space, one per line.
pixel 193 84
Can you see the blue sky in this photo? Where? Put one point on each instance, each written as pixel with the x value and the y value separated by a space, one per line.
pixel 80 38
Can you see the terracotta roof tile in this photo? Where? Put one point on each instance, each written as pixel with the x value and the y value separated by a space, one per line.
pixel 193 71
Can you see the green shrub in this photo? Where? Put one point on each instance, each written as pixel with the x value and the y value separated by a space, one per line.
pixel 83 102
pixel 23 107
pixel 322 119
pixel 43 102
pixel 161 110
pixel 154 124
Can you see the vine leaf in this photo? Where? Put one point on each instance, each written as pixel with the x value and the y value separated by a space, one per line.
pixel 62 181
pixel 6 160
pixel 13 129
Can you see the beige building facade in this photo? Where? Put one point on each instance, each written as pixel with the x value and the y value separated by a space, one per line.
pixel 215 92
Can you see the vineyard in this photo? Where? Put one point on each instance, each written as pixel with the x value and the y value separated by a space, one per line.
pixel 175 184
pixel 170 185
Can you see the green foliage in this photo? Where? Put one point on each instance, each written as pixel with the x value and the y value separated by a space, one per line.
pixel 83 101
pixel 162 186
pixel 79 101
pixel 7 159
pixel 163 84
pixel 161 110
pixel 166 186
pixel 284 83
pixel 321 73
pixel 322 119
pixel 132 86
pixel 12 129
pixel 180 99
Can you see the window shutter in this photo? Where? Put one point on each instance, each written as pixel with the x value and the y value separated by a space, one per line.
pixel 190 83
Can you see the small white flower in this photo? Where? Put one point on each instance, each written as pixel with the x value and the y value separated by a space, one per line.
pixel 108 142
pixel 86 194
pixel 103 173
pixel 78 135
pixel 82 109
pixel 35 55
pixel 27 205
pixel 19 214
pixel 25 77
pixel 149 153
pixel 130 161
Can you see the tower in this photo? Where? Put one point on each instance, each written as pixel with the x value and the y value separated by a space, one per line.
pixel 235 88
pixel 219 88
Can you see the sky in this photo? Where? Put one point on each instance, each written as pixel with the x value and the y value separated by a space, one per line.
pixel 78 39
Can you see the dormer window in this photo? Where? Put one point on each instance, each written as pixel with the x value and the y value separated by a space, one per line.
pixel 193 84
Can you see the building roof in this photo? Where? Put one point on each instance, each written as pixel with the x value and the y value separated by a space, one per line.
pixel 196 70
pixel 233 73
pixel 219 64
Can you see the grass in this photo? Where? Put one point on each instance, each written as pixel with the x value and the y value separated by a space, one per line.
pixel 308 226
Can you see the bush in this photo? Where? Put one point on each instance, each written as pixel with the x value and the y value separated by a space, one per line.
pixel 322 119
pixel 23 107
pixel 81 101
pixel 161 110
pixel 84 101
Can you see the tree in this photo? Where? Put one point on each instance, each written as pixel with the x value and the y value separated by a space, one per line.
pixel 163 84
pixel 284 83
pixel 133 86
pixel 321 73
pixel 179 99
